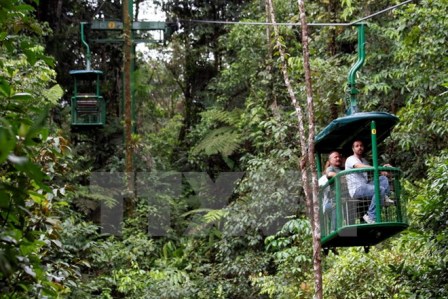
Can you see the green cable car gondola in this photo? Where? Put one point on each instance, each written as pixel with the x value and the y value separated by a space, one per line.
pixel 88 107
pixel 342 224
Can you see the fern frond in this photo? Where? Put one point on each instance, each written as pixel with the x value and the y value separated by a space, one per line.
pixel 226 117
pixel 224 140
pixel 211 215
pixel 215 216
pixel 196 211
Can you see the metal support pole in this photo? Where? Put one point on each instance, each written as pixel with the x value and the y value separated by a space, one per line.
pixel 318 164
pixel 338 189
pixel 83 41
pixel 353 91
pixel 376 173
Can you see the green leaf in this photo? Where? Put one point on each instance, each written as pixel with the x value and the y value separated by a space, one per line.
pixel 4 199
pixel 22 96
pixel 32 170
pixel 224 140
pixel 5 88
pixel 35 129
pixel 24 8
pixel 54 93
pixel 23 129
pixel 7 140
pixel 85 263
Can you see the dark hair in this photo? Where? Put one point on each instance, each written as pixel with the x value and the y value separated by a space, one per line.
pixel 355 140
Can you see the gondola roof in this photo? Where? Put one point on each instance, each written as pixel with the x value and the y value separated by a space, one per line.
pixel 86 74
pixel 341 132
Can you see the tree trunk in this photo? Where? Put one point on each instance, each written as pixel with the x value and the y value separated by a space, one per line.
pixel 317 263
pixel 127 49
pixel 307 164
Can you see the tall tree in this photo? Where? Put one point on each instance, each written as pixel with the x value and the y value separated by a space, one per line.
pixel 127 52
pixel 307 165
pixel 202 53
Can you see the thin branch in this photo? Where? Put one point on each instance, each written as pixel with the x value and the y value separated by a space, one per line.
pixel 317 262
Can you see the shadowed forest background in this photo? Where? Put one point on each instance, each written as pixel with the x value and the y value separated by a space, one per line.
pixel 213 101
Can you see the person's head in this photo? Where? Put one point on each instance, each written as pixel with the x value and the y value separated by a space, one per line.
pixel 335 159
pixel 358 148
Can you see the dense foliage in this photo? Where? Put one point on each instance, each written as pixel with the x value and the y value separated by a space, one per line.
pixel 32 161
pixel 218 210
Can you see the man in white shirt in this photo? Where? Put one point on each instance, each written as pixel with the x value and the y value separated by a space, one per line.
pixel 359 185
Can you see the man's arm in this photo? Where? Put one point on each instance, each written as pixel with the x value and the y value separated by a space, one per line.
pixel 330 172
pixel 354 162
pixel 361 165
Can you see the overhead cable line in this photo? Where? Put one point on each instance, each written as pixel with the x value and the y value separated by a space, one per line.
pixel 261 23
pixel 381 12
pixel 296 24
